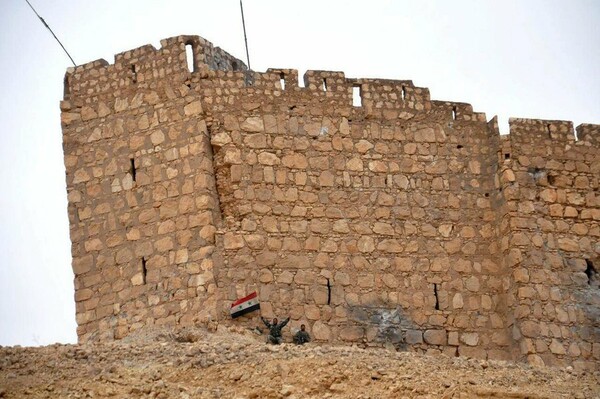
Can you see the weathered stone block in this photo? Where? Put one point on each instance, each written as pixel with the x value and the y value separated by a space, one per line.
pixel 321 331
pixel 435 337
pixel 470 339
pixel 414 337
pixel 352 333
pixel 193 108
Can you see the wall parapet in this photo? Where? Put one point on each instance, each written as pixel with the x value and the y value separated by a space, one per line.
pixel 586 132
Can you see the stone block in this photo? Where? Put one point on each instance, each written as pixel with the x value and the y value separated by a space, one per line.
pixel 530 329
pixel 233 241
pixel 470 339
pixel 320 331
pixel 265 276
pixel 352 333
pixel 312 312
pixel 193 108
pixel 453 338
pixel 366 244
pixel 83 264
pixel 557 348
pixel 413 337
pixel 435 337
pixel 355 165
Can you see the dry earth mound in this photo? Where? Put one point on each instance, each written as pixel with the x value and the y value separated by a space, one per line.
pixel 235 363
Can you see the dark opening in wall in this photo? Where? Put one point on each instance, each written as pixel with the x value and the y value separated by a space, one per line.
pixel 282 80
pixel 591 273
pixel 459 146
pixel 189 56
pixel 506 156
pixel 132 169
pixel 66 90
pixel 548 130
pixel 437 299
pixel 328 292
pixel 357 96
pixel 234 65
pixel 551 179
pixel 487 195
pixel 403 93
pixel 144 270
pixel 134 73
pixel 324 84
pixel 454 113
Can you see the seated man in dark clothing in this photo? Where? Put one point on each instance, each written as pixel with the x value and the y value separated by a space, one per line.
pixel 301 337
pixel 274 336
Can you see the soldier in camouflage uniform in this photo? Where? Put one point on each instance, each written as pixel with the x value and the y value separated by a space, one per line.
pixel 274 336
pixel 301 337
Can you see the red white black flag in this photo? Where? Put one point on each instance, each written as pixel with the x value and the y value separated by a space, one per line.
pixel 244 305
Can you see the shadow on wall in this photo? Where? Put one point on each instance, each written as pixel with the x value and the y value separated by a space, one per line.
pixel 589 301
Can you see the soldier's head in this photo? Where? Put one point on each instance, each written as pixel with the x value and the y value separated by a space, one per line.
pixel 302 327
pixel 275 320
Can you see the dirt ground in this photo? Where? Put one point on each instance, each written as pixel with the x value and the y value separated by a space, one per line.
pixel 234 363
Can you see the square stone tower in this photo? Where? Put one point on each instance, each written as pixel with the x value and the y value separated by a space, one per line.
pixel 359 207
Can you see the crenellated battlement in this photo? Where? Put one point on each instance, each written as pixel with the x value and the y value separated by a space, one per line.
pixel 540 131
pixel 589 133
pixel 137 68
pixel 551 137
pixel 141 66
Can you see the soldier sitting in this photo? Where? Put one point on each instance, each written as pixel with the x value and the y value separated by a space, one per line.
pixel 301 337
pixel 274 336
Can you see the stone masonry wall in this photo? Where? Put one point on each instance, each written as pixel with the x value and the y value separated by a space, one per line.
pixel 397 221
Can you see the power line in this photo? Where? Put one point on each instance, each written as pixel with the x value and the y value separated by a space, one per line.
pixel 245 38
pixel 48 27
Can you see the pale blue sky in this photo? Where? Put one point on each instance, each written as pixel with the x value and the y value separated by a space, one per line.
pixel 535 59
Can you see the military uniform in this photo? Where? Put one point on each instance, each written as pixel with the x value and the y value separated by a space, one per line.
pixel 274 336
pixel 301 337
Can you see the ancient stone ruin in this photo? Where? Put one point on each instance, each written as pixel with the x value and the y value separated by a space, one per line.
pixel 359 207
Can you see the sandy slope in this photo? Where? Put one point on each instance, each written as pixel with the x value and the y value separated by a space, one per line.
pixel 232 363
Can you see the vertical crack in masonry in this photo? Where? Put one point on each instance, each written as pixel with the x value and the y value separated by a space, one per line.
pixel 132 168
pixel 218 211
pixel 144 270
pixel 437 299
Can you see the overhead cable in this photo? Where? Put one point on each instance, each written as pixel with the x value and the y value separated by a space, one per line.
pixel 48 27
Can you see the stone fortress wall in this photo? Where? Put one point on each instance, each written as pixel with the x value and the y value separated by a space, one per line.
pixel 359 207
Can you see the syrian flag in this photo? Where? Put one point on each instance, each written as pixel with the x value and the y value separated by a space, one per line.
pixel 244 305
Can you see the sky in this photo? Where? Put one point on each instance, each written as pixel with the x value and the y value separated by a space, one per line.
pixel 511 58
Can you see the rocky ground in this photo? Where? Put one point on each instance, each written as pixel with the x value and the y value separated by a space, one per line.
pixel 233 363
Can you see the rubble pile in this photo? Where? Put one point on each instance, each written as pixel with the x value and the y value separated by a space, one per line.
pixel 236 363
